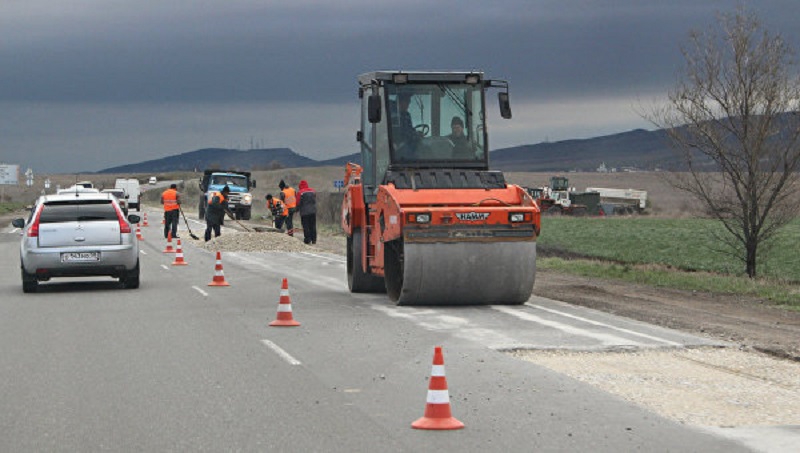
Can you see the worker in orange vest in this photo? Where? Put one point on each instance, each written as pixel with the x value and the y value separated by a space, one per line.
pixel 289 198
pixel 215 212
pixel 171 200
pixel 278 210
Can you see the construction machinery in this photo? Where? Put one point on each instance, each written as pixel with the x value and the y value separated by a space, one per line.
pixel 557 198
pixel 426 220
pixel 621 201
pixel 240 200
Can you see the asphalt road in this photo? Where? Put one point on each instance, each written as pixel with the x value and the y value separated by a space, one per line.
pixel 179 366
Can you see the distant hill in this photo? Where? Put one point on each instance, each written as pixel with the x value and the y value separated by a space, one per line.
pixel 639 149
pixel 261 159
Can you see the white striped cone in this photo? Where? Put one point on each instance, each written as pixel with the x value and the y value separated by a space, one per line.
pixel 437 410
pixel 284 318
pixel 145 220
pixel 179 261
pixel 219 276
pixel 139 233
pixel 169 248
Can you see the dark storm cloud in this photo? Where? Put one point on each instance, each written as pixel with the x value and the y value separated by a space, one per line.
pixel 150 78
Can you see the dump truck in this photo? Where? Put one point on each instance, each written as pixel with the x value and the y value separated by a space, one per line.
pixel 426 219
pixel 240 200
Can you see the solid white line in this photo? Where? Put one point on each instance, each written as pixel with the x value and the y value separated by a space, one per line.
pixel 165 266
pixel 200 291
pixel 285 355
pixel 610 340
pixel 608 326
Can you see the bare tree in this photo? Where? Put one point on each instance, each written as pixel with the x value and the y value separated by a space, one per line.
pixel 733 118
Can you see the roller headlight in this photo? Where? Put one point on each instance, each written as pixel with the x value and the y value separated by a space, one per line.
pixel 419 218
pixel 518 217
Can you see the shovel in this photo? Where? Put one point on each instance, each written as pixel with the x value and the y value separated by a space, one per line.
pixel 187 224
pixel 230 214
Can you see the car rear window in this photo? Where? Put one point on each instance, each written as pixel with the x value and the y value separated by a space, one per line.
pixel 78 211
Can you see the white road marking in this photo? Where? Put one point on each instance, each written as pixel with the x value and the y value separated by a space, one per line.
pixel 142 252
pixel 609 340
pixel 284 355
pixel 200 291
pixel 608 326
pixel 325 257
pixel 165 266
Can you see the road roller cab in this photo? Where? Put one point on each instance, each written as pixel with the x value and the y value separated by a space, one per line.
pixel 427 221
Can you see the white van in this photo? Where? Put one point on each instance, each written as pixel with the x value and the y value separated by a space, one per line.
pixel 153 180
pixel 131 188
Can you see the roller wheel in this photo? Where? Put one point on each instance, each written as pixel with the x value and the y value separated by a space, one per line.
pixel 394 268
pixel 357 280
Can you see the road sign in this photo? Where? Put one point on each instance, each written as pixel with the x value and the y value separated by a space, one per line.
pixel 9 174
pixel 339 183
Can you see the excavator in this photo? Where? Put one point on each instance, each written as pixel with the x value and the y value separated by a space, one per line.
pixel 427 221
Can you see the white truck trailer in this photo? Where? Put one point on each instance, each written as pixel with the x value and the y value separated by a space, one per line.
pixel 622 198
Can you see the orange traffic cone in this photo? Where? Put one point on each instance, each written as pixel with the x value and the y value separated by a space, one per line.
pixel 284 318
pixel 219 276
pixel 139 233
pixel 169 248
pixel 437 410
pixel 145 220
pixel 179 261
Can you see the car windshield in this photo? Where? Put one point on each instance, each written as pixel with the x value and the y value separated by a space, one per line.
pixel 78 211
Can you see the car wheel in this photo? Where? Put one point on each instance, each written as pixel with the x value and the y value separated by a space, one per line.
pixel 130 280
pixel 29 282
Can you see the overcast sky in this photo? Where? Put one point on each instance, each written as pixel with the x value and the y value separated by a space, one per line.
pixel 91 84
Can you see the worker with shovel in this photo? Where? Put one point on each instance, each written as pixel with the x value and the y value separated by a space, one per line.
pixel 215 213
pixel 171 200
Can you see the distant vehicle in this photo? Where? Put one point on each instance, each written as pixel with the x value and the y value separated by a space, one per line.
pixel 240 200
pixel 122 198
pixel 78 234
pixel 153 180
pixel 132 190
pixel 78 189
pixel 86 184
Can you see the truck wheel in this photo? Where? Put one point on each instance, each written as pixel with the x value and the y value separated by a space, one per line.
pixel 357 280
pixel 245 214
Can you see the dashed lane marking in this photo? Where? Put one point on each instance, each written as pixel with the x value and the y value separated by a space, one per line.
pixel 283 354
pixel 165 266
pixel 200 291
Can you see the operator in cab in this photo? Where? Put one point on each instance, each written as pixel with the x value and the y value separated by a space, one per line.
pixel 407 138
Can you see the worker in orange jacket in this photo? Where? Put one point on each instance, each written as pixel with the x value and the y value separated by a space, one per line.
pixel 171 200
pixel 215 213
pixel 278 210
pixel 289 198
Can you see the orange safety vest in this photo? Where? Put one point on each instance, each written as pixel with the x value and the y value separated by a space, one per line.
pixel 170 200
pixel 289 198
pixel 272 204
pixel 216 194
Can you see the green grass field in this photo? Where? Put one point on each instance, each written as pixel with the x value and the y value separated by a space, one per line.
pixel 680 253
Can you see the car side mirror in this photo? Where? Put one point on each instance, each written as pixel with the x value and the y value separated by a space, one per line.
pixel 133 218
pixel 505 105
pixel 18 223
pixel 374 108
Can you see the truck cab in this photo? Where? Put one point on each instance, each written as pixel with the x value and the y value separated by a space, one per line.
pixel 240 199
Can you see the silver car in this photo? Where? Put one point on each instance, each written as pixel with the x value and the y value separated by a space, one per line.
pixel 78 234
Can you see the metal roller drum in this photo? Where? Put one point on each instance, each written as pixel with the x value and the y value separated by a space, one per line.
pixel 465 273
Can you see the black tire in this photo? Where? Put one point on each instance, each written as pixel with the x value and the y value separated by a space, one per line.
pixel 130 279
pixel 29 282
pixel 357 280
pixel 393 267
pixel 201 210
pixel 245 214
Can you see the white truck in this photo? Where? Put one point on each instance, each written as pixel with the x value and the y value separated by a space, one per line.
pixel 623 198
pixel 131 188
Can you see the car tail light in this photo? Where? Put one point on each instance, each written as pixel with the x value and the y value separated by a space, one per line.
pixel 124 226
pixel 33 230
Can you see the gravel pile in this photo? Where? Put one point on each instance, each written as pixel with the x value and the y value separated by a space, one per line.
pixel 238 241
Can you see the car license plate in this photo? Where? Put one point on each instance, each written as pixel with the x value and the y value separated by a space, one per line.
pixel 79 257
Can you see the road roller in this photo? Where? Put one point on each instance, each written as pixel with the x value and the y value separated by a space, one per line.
pixel 427 221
